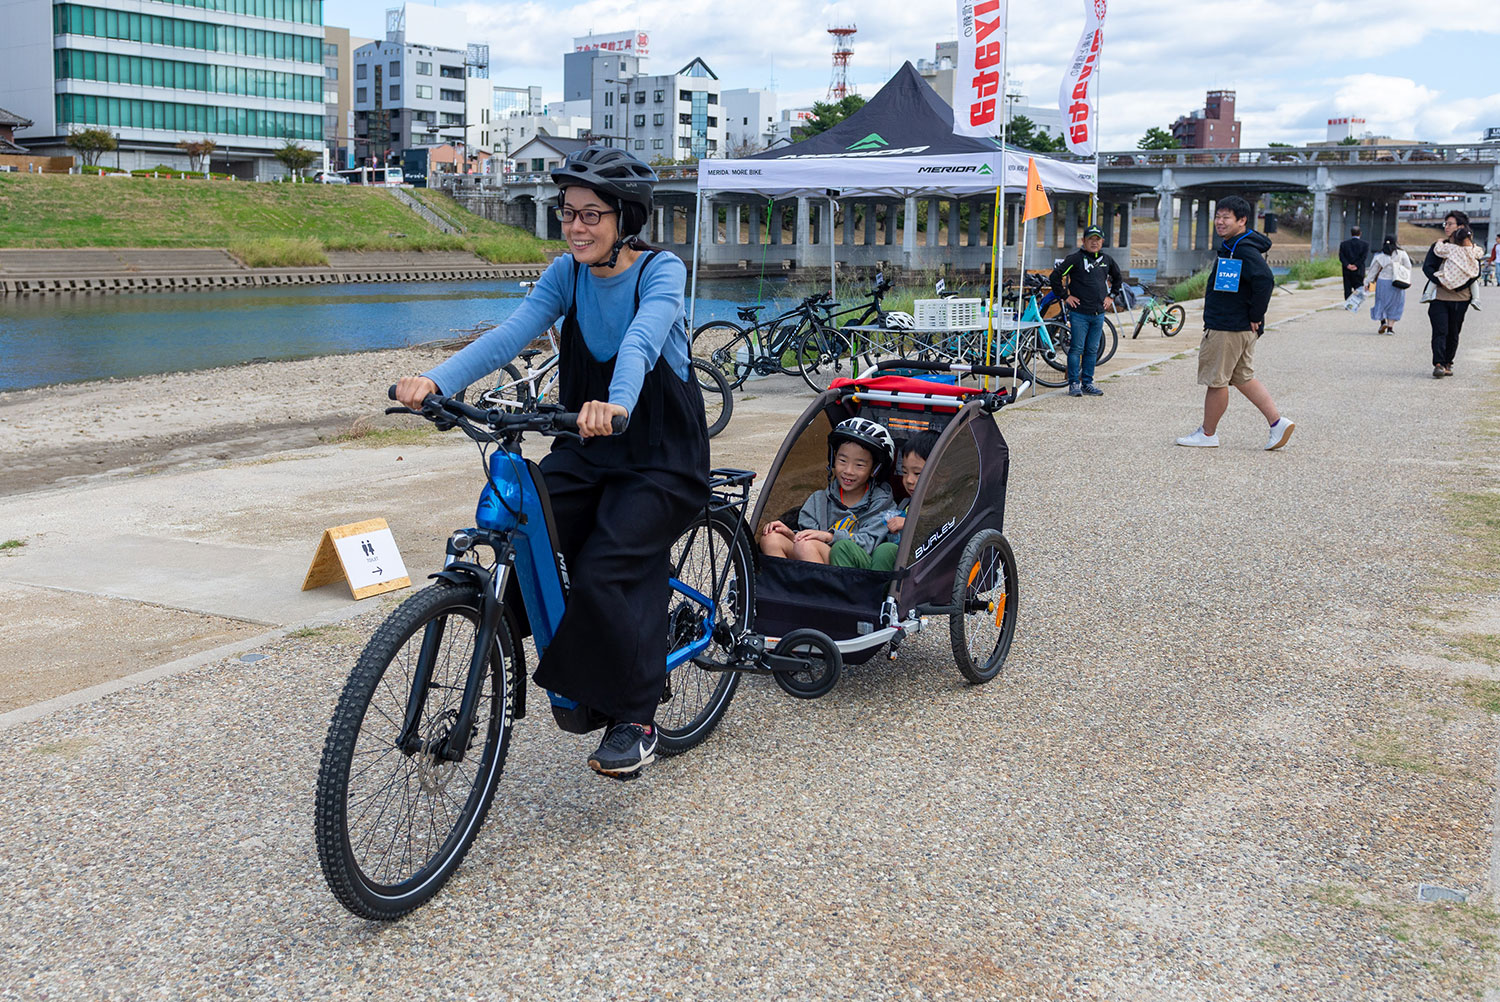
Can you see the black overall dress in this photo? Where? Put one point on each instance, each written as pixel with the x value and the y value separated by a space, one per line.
pixel 619 503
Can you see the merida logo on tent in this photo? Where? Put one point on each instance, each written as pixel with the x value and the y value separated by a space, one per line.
pixel 873 141
pixel 985 169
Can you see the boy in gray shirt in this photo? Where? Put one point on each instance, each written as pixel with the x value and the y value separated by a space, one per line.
pixel 843 524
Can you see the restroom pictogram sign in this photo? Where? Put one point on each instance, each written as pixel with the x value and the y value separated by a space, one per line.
pixel 362 553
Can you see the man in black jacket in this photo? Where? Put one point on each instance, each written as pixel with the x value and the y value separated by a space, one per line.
pixel 1234 317
pixel 1352 254
pixel 1086 281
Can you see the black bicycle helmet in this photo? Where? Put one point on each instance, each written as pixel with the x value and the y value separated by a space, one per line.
pixel 870 434
pixel 620 179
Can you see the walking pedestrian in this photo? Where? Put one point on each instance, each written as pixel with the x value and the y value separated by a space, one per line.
pixel 1352 254
pixel 1086 281
pixel 1492 261
pixel 1445 307
pixel 1390 277
pixel 1234 317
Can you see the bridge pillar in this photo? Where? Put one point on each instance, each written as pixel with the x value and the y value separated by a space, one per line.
pixel 1164 192
pixel 1320 189
pixel 976 213
pixel 955 237
pixel 541 218
pixel 934 225
pixel 909 229
pixel 1184 223
pixel 733 236
pixel 1070 225
pixel 851 221
pixel 1050 231
pixel 1202 239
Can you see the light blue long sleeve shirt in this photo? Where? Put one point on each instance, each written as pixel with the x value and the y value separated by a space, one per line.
pixel 657 330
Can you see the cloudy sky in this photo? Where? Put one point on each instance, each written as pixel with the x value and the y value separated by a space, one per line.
pixel 1293 63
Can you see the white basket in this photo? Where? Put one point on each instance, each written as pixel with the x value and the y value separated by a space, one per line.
pixel 949 314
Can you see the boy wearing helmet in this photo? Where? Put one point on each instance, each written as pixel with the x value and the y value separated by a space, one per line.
pixel 618 501
pixel 843 524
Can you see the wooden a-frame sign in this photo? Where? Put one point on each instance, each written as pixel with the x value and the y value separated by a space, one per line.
pixel 362 553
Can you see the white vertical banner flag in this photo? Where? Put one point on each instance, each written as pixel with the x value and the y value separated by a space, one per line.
pixel 977 78
pixel 1079 98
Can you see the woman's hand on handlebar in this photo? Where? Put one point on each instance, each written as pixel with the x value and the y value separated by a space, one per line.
pixel 412 390
pixel 595 418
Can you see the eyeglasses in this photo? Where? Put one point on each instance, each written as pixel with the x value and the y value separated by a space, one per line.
pixel 590 217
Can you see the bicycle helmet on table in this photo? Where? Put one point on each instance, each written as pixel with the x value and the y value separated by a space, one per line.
pixel 869 434
pixel 620 179
pixel 900 320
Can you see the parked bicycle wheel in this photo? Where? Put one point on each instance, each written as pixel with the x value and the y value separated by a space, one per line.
pixel 510 392
pixel 823 356
pixel 713 558
pixel 1172 319
pixel 726 346
pixel 1109 343
pixel 1032 358
pixel 1061 335
pixel 394 817
pixel 718 398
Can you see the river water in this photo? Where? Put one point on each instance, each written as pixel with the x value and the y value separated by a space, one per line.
pixel 51 339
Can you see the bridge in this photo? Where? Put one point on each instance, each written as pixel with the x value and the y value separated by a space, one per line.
pixel 1349 186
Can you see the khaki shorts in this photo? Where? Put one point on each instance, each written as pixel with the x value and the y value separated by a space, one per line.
pixel 1226 358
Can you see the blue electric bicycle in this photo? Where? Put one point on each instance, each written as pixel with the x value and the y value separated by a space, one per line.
pixel 418 740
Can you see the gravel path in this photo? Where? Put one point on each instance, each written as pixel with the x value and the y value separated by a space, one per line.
pixel 1221 760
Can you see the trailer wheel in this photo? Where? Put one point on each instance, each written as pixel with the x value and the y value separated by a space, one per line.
pixel 986 598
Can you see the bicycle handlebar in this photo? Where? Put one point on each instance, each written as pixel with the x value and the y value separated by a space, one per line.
pixel 435 405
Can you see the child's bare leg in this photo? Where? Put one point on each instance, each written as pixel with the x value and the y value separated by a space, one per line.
pixel 775 545
pixel 811 550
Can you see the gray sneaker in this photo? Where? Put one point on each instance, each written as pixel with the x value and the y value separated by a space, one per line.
pixel 1075 389
pixel 1090 390
pixel 625 750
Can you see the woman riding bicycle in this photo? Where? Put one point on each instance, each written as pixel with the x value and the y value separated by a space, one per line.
pixel 618 501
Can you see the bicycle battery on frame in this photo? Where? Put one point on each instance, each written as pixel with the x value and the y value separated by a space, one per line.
pixel 518 510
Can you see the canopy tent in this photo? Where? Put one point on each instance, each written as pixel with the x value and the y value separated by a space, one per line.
pixel 900 144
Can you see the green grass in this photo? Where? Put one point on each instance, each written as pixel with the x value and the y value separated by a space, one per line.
pixel 298 220
pixel 1481 694
pixel 1191 288
pixel 12 544
pixel 281 252
pixel 361 433
pixel 1307 271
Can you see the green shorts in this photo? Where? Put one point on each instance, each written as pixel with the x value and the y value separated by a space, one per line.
pixel 848 553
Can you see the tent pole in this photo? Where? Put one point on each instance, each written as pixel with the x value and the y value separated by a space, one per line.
pixel 833 245
pixel 697 237
pixel 999 233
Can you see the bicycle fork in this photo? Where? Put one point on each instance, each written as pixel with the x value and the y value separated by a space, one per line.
pixel 490 586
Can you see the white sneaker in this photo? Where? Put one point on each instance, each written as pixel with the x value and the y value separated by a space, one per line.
pixel 1200 440
pixel 1280 432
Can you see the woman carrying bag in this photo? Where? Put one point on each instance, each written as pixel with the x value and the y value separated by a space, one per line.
pixel 1390 277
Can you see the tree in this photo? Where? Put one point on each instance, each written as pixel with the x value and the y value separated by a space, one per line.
pixel 1023 132
pixel 827 114
pixel 1348 141
pixel 1158 139
pixel 198 152
pixel 295 158
pixel 90 143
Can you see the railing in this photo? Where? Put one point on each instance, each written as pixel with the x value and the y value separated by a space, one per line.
pixel 1286 156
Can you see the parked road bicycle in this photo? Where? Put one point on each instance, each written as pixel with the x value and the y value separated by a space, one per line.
pixel 1163 313
pixel 805 340
pixel 515 391
pixel 1060 327
pixel 418 739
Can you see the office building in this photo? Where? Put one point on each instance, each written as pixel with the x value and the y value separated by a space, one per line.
pixel 338 94
pixel 410 91
pixel 510 101
pixel 938 71
pixel 1214 127
pixel 595 57
pixel 155 74
pixel 671 116
pixel 749 118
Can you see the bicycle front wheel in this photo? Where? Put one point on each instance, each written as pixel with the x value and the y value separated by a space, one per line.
pixel 726 347
pixel 822 357
pixel 1031 354
pixel 713 558
pixel 393 823
pixel 1060 333
pixel 718 398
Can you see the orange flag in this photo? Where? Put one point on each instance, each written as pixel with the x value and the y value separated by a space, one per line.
pixel 1036 196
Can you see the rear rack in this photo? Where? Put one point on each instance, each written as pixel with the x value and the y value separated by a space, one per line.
pixel 729 488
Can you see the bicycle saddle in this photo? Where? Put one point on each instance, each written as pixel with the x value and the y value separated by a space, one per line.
pixel 527 354
pixel 749 312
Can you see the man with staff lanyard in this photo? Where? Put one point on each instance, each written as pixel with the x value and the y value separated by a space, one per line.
pixel 1234 317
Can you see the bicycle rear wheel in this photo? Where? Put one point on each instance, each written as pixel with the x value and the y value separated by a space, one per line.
pixel 510 392
pixel 1061 335
pixel 1173 319
pixel 718 399
pixel 823 356
pixel 1109 342
pixel 392 825
pixel 726 346
pixel 713 558
pixel 1030 355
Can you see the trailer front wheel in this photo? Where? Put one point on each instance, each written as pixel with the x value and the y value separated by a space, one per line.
pixel 986 598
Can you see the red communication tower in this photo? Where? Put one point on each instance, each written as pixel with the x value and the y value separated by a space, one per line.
pixel 838 89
